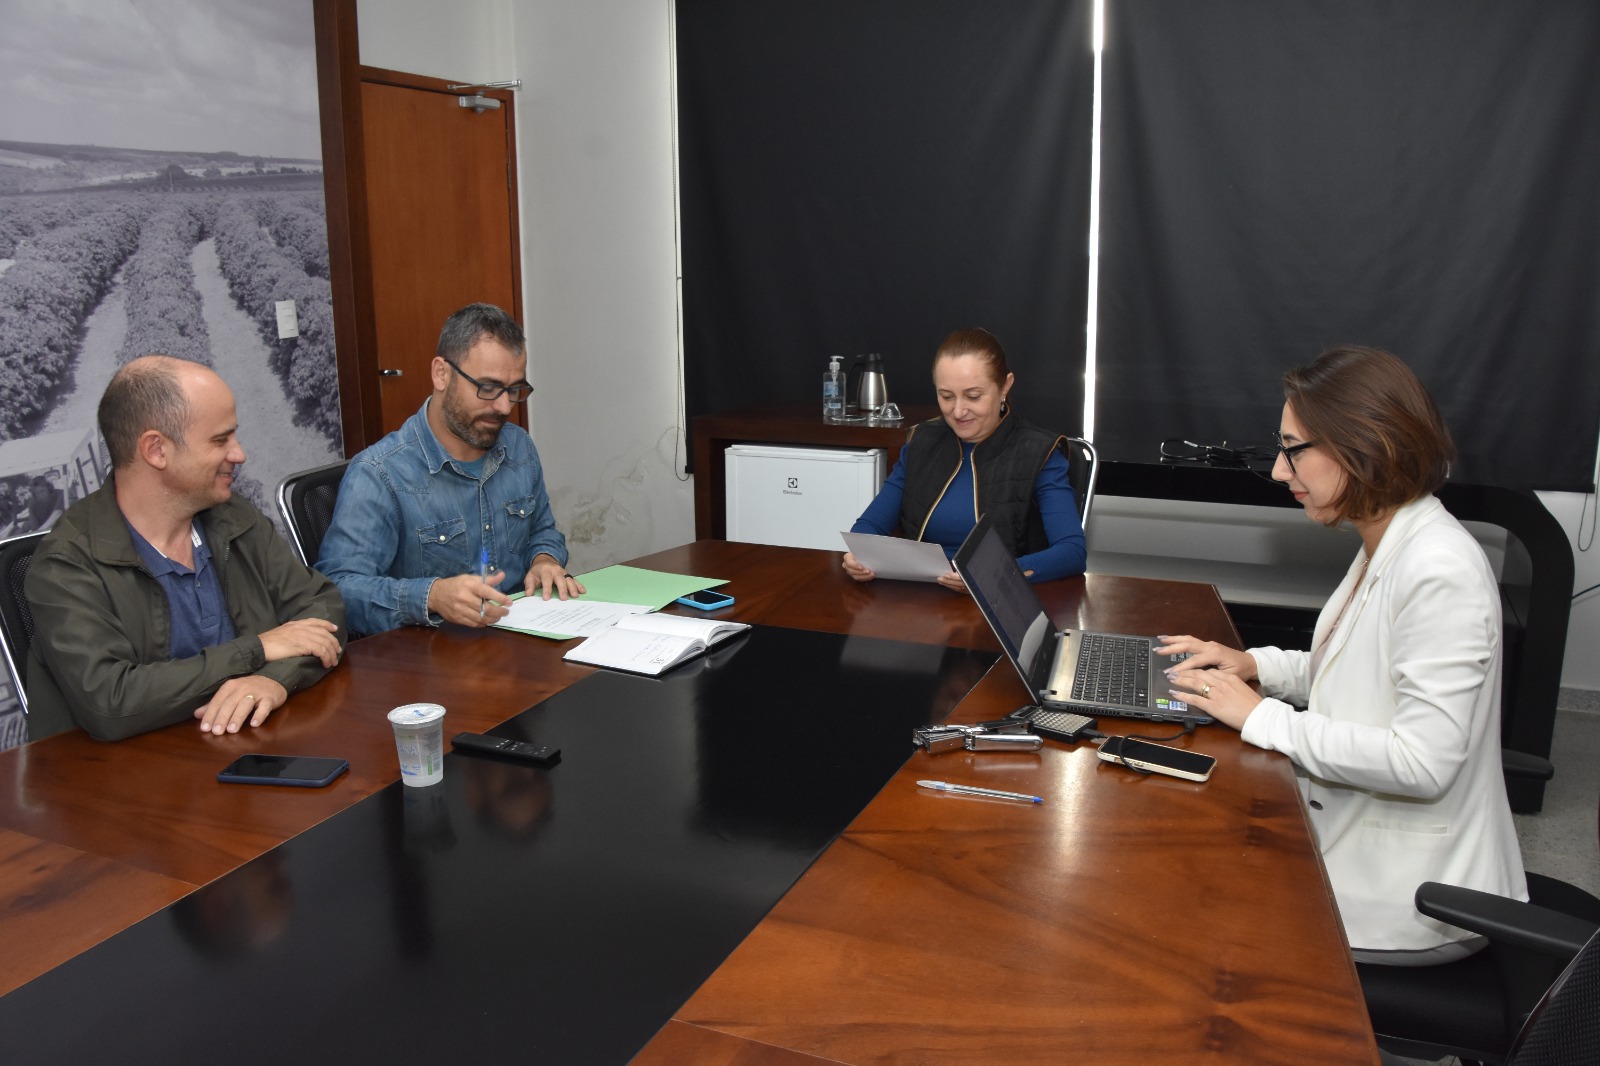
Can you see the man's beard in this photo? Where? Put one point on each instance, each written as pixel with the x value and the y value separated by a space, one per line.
pixel 470 432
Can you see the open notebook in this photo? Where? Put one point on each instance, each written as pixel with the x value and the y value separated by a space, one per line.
pixel 653 643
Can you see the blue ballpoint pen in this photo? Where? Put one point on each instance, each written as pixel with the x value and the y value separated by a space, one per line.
pixel 974 790
pixel 483 575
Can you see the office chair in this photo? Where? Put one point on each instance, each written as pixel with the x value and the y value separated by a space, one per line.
pixel 1083 467
pixel 1530 998
pixel 1535 589
pixel 16 617
pixel 1565 1026
pixel 306 502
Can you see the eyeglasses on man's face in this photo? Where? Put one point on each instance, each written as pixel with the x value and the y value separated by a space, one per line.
pixel 1288 450
pixel 493 390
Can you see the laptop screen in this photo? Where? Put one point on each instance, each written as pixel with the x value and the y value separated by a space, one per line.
pixel 1007 600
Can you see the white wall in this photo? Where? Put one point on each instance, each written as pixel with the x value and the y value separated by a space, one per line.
pixel 1581 668
pixel 599 265
pixel 463 39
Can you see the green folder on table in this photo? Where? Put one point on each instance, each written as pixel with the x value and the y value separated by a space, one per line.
pixel 604 589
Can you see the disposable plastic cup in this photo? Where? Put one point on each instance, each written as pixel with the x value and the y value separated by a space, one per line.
pixel 419 740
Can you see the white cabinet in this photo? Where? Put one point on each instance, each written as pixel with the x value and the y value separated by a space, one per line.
pixel 799 497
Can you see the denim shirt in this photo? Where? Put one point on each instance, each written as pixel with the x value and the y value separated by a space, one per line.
pixel 407 513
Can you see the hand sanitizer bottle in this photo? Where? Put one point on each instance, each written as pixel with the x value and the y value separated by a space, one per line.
pixel 833 391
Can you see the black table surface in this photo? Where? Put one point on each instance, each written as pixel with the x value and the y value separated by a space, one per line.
pixel 515 913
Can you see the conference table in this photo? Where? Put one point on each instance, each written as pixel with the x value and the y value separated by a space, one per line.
pixel 731 864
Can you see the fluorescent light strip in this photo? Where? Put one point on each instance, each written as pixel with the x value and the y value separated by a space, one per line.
pixel 680 439
pixel 1092 325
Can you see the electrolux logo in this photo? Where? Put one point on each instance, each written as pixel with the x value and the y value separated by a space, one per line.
pixel 794 488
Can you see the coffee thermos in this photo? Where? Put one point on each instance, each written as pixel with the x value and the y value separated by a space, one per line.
pixel 871 387
pixel 863 396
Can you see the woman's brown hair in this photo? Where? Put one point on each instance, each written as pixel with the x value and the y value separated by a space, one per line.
pixel 978 342
pixel 1368 410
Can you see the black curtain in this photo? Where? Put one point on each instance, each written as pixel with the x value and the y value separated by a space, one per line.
pixel 1417 175
pixel 868 175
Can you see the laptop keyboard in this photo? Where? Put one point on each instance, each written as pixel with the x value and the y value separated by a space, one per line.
pixel 1113 669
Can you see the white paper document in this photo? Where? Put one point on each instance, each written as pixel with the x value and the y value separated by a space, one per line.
pixel 653 644
pixel 565 618
pixel 898 558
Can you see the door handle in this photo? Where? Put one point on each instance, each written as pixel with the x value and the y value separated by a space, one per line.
pixel 391 373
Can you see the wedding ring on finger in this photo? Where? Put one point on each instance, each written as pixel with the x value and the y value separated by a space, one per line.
pixel 1205 691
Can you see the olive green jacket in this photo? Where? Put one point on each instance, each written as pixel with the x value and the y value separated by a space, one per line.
pixel 102 628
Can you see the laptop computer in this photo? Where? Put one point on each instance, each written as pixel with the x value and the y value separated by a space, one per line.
pixel 1081 672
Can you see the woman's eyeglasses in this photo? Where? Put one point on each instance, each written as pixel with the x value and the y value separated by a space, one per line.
pixel 1288 450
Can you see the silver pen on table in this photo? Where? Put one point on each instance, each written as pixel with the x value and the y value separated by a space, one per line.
pixel 974 790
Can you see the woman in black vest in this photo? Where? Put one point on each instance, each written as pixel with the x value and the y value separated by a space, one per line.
pixel 980 458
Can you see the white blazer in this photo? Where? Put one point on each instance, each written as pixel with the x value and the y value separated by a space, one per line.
pixel 1398 749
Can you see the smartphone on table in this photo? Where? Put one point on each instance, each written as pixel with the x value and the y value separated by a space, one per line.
pixel 302 771
pixel 706 600
pixel 1157 758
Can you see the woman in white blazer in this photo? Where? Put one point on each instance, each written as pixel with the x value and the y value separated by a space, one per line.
pixel 1398 743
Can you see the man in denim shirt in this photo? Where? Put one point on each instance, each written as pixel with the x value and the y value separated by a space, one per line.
pixel 431 518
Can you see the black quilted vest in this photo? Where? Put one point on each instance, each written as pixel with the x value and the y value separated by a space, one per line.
pixel 1004 468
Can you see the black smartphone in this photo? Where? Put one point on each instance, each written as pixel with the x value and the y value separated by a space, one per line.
pixel 303 771
pixel 706 599
pixel 1157 758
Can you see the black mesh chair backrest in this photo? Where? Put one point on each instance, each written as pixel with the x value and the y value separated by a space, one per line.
pixel 1565 1026
pixel 16 617
pixel 306 502
pixel 1083 466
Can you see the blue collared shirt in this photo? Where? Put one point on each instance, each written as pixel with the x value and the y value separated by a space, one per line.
pixel 195 606
pixel 408 513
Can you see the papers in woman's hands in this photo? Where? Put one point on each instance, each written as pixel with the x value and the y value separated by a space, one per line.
pixel 564 618
pixel 652 643
pixel 898 558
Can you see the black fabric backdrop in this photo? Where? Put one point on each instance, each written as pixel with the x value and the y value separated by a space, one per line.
pixel 868 175
pixel 1417 175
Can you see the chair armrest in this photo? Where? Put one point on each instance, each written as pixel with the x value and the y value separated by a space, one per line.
pixel 1519 764
pixel 1507 921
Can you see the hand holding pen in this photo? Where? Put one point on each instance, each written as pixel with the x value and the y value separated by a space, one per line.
pixel 470 599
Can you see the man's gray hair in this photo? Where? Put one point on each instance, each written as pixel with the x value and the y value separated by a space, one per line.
pixel 471 324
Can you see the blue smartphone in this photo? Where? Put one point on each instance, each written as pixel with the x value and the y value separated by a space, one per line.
pixel 706 600
pixel 300 770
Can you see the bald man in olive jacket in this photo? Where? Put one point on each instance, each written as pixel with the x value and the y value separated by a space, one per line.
pixel 159 597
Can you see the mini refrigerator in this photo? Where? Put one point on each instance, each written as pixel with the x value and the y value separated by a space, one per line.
pixel 799 497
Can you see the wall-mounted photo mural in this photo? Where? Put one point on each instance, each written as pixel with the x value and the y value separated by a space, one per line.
pixel 160 191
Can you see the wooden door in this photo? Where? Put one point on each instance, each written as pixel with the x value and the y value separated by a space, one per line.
pixel 442 222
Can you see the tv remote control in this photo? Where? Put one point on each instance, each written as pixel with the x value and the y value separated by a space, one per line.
pixel 521 750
